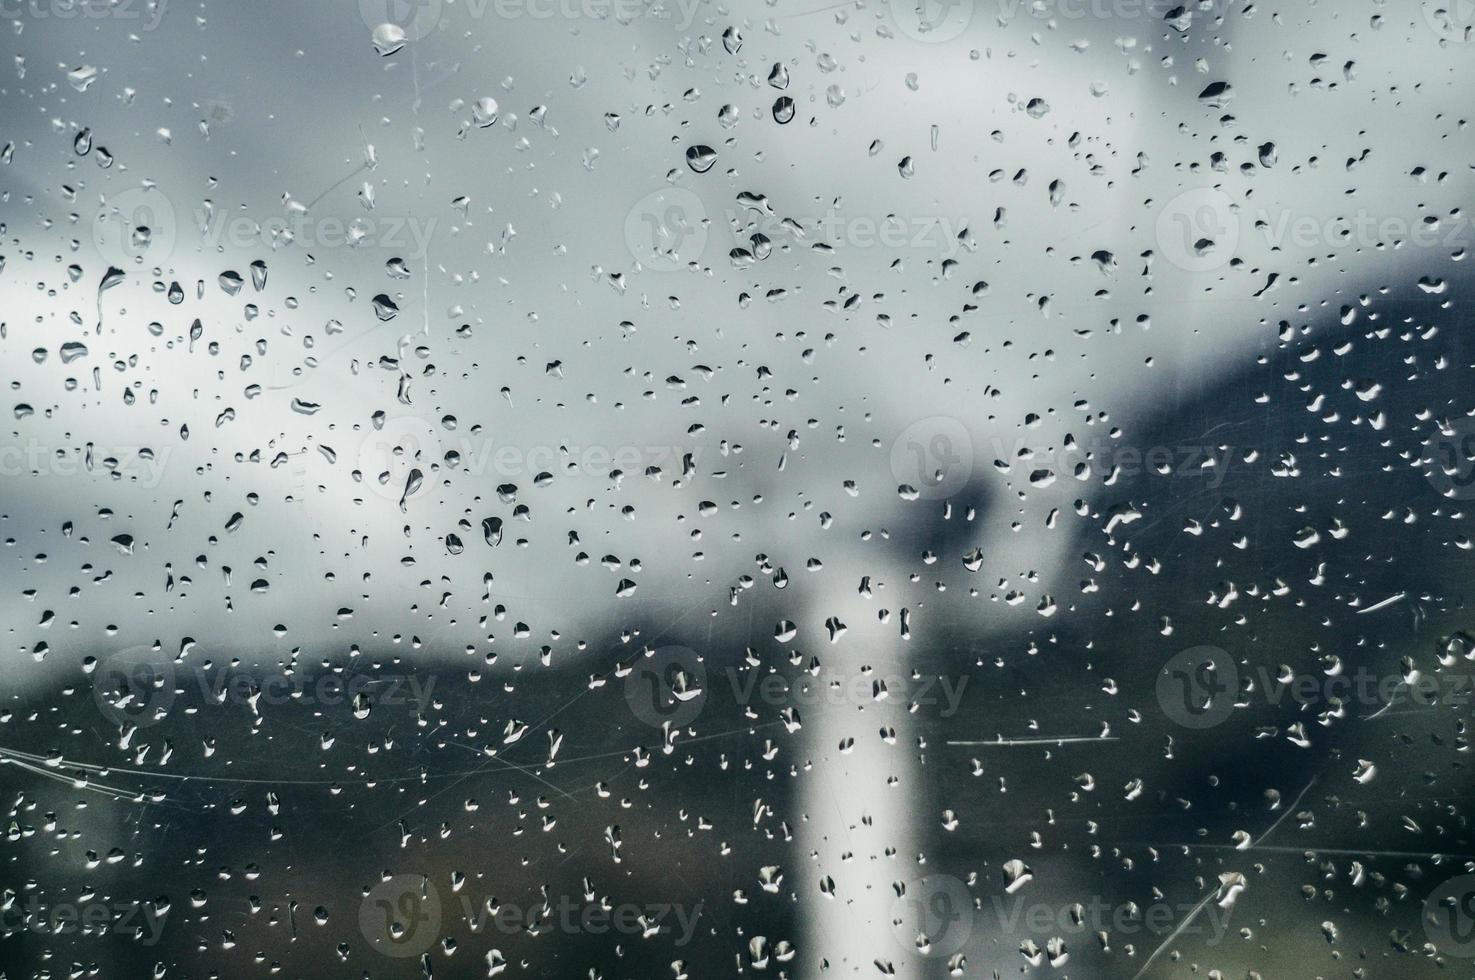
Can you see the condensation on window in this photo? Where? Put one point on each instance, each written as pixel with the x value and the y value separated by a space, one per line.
pixel 676 489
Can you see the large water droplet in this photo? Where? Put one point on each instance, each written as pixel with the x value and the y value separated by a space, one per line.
pixel 700 157
pixel 389 38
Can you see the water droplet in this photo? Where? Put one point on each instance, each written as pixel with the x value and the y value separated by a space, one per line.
pixel 389 38
pixel 700 157
pixel 385 308
pixel 484 112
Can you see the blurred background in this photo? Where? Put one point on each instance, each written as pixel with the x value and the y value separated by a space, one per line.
pixel 605 488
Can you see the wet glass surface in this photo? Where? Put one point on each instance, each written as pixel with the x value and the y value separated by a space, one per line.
pixel 659 488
